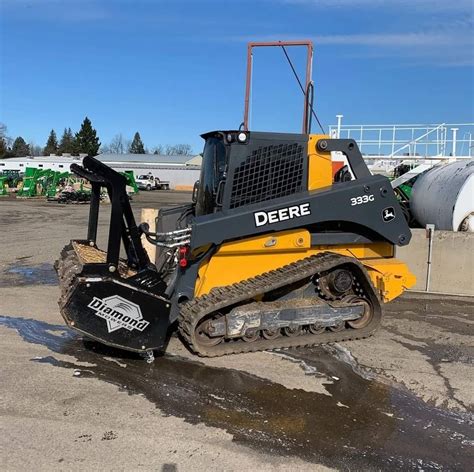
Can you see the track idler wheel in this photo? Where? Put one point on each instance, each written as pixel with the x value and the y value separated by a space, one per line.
pixel 340 326
pixel 316 328
pixel 293 331
pixel 203 333
pixel 251 335
pixel 271 333
pixel 366 318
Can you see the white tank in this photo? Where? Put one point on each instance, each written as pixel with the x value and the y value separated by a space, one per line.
pixel 444 196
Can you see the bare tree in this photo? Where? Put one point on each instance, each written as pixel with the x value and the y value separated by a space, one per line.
pixel 35 150
pixel 3 135
pixel 184 150
pixel 117 145
pixel 120 145
pixel 104 149
pixel 159 149
pixel 178 150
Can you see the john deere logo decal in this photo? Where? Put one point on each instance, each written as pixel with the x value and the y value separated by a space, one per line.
pixel 119 313
pixel 269 217
pixel 388 214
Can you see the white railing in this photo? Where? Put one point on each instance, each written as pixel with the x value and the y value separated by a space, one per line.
pixel 410 141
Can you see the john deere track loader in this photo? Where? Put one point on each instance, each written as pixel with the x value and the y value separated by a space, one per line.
pixel 275 251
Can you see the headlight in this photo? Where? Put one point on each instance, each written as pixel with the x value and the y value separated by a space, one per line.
pixel 242 137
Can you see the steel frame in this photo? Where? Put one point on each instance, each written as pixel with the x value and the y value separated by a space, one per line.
pixel 309 61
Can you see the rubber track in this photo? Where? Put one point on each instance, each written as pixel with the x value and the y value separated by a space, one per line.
pixel 68 267
pixel 193 311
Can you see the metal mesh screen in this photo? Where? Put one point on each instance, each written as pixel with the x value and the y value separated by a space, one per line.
pixel 269 172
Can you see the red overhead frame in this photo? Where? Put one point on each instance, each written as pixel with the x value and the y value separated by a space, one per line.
pixel 309 61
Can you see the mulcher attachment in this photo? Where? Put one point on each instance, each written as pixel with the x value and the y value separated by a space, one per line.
pixel 119 302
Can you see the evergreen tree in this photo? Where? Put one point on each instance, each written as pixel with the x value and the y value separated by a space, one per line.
pixel 87 140
pixel 20 148
pixel 67 143
pixel 137 146
pixel 51 145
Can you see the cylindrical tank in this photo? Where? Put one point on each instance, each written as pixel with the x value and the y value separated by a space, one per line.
pixel 444 196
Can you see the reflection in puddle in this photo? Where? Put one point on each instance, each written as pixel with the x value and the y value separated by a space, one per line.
pixel 363 425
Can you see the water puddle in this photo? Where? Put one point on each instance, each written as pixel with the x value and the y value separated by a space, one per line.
pixel 363 425
pixel 19 275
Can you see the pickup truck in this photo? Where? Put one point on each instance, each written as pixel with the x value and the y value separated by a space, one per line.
pixel 148 182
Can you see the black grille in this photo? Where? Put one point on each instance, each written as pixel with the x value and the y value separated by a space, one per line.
pixel 269 172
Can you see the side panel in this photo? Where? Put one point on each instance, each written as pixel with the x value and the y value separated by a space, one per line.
pixel 237 261
pixel 358 206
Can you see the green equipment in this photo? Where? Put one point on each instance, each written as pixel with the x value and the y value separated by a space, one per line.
pixel 54 181
pixel 30 179
pixel 131 182
pixel 35 182
pixel 3 186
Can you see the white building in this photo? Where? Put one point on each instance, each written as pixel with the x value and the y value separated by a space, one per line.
pixel 58 163
pixel 180 171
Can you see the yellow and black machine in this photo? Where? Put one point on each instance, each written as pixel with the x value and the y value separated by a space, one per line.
pixel 275 250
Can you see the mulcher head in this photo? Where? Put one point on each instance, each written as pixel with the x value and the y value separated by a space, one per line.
pixel 119 302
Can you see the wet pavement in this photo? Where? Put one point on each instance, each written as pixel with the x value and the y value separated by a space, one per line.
pixel 363 424
pixel 401 400
pixel 21 274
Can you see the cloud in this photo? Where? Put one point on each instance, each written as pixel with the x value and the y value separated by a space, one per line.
pixel 443 48
pixel 394 39
pixel 378 40
pixel 426 5
pixel 438 31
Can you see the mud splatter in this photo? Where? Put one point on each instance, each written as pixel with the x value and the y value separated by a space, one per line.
pixel 363 425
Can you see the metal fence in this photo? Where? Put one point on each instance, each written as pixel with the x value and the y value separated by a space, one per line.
pixel 410 141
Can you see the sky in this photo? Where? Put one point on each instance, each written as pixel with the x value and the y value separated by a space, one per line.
pixel 174 69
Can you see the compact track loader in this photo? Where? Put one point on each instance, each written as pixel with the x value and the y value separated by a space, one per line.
pixel 275 250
